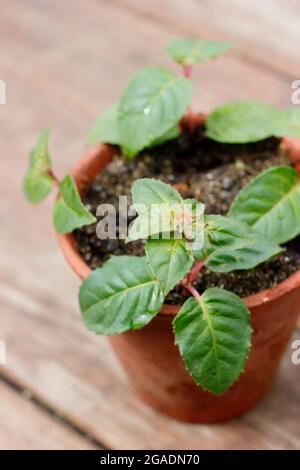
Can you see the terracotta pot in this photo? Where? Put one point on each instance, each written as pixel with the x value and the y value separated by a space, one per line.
pixel 151 359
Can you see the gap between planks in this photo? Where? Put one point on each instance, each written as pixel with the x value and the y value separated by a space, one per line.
pixel 45 429
pixel 254 430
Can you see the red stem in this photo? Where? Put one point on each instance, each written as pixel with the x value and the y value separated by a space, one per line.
pixel 56 180
pixel 193 291
pixel 187 71
pixel 191 123
pixel 195 271
pixel 190 277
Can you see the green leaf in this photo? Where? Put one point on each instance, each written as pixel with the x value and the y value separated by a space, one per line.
pixel 69 212
pixel 170 260
pixel 241 122
pixel 250 121
pixel 213 335
pixel 161 209
pixel 171 134
pixel 122 295
pixel 287 123
pixel 105 128
pixel 179 218
pixel 157 219
pixel 140 228
pixel 226 233
pixel 246 257
pixel 193 51
pixel 231 245
pixel 154 102
pixel 270 204
pixel 38 182
pixel 148 191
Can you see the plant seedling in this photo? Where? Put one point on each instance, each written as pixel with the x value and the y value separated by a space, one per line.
pixel 212 329
pixel 69 212
pixel 188 52
pixel 150 110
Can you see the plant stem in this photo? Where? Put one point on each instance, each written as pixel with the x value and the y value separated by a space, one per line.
pixel 56 180
pixel 193 291
pixel 187 71
pixel 190 277
pixel 195 271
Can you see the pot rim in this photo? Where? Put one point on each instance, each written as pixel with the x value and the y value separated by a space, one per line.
pixel 83 173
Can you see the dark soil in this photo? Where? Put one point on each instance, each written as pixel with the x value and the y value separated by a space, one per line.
pixel 201 168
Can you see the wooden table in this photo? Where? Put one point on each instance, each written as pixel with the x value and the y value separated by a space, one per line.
pixel 63 62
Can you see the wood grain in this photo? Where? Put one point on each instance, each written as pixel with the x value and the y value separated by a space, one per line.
pixel 76 373
pixel 25 427
pixel 62 66
pixel 265 33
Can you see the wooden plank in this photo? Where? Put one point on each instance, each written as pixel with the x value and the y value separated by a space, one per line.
pixel 55 66
pixel 264 32
pixel 64 77
pixel 23 426
pixel 77 374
